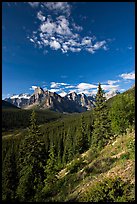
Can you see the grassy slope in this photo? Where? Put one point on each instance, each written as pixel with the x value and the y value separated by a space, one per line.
pixel 116 159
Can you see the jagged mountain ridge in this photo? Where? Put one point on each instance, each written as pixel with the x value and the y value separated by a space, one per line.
pixel 41 99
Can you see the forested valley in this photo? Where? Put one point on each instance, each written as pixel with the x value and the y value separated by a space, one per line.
pixel 51 157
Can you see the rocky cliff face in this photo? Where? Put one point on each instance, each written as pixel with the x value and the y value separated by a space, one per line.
pixel 20 100
pixel 72 102
pixel 81 100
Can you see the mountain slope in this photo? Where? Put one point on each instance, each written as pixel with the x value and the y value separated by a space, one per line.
pixel 7 105
pixel 42 100
pixel 116 160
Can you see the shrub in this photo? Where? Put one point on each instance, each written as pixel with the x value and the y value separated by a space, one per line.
pixel 76 165
pixel 109 190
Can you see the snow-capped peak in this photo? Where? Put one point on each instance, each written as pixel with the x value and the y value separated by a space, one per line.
pixel 25 96
pixel 111 93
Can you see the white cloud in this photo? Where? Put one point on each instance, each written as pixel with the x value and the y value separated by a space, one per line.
pixel 40 16
pixel 98 45
pixel 108 87
pixel 126 76
pixel 34 4
pixel 62 7
pixel 32 40
pixel 93 92
pixel 57 84
pixel 69 87
pixel 86 41
pixel 111 82
pixel 33 88
pixel 54 85
pixel 48 27
pixel 54 90
pixel 90 50
pixel 75 49
pixel 60 33
pixel 86 92
pixel 83 86
pixel 55 45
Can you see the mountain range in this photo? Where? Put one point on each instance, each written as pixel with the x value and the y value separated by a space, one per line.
pixel 41 99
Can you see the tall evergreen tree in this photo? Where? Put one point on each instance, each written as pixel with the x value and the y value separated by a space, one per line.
pixel 9 176
pixel 82 137
pixel 101 126
pixel 68 147
pixel 32 159
pixel 50 168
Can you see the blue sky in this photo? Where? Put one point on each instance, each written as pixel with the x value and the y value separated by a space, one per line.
pixel 66 47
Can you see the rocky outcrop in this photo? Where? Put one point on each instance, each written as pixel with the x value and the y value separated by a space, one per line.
pixel 72 102
pixel 81 100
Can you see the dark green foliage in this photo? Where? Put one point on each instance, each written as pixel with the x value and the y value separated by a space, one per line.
pixel 7 105
pixel 82 137
pixel 109 190
pixel 75 165
pixel 32 160
pixel 68 147
pixel 101 127
pixel 17 118
pixel 50 168
pixel 122 113
pixel 131 149
pixel 9 176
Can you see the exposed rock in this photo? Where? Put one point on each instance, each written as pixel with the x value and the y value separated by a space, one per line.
pixel 41 99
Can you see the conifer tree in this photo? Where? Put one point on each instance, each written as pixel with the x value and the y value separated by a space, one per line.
pixel 82 137
pixel 50 168
pixel 9 176
pixel 32 159
pixel 101 126
pixel 68 147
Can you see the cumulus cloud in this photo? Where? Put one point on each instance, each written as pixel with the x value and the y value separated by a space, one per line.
pixel 111 82
pixel 62 33
pixel 127 76
pixel 69 87
pixel 32 40
pixel 54 90
pixel 57 84
pixel 90 89
pixel 40 16
pixel 33 88
pixel 55 45
pixel 63 7
pixel 84 86
pixel 54 85
pixel 108 87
